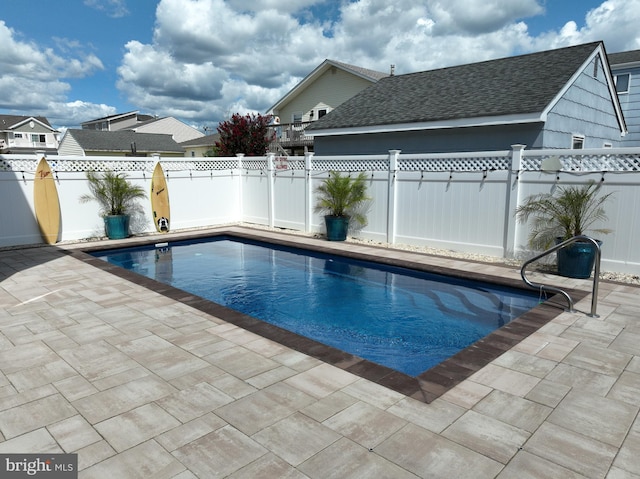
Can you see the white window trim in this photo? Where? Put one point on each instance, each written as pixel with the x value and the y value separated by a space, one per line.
pixel 577 137
pixel 615 81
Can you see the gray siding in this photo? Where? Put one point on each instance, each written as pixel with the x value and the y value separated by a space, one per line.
pixel 433 141
pixel 123 123
pixel 585 109
pixel 37 128
pixel 630 103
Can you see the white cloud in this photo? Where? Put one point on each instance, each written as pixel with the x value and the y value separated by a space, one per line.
pixel 474 17
pixel 279 5
pixel 113 8
pixel 71 114
pixel 210 58
pixel 33 79
pixel 617 22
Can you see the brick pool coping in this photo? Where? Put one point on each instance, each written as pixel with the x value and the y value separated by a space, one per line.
pixel 426 387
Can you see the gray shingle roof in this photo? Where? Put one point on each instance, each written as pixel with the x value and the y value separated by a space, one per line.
pixel 120 140
pixel 209 140
pixel 366 72
pixel 509 86
pixel 624 57
pixel 8 120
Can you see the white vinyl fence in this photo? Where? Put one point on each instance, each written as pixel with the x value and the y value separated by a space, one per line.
pixel 459 201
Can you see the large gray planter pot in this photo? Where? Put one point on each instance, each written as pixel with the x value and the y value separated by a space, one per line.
pixel 337 227
pixel 116 226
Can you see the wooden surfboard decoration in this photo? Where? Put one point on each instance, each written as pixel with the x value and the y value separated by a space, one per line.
pixel 160 200
pixel 46 203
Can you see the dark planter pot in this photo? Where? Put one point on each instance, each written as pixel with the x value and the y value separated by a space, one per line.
pixel 116 226
pixel 576 260
pixel 337 227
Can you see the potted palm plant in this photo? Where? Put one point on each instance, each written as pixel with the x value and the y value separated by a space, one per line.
pixel 116 196
pixel 342 198
pixel 569 211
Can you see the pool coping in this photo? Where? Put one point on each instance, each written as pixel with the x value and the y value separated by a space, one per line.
pixel 426 387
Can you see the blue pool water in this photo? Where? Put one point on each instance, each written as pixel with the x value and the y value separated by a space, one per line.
pixel 404 319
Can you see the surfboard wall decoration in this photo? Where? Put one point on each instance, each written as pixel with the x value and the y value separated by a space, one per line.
pixel 160 200
pixel 46 203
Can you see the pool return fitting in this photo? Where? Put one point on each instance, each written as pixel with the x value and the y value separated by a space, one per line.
pixel 596 274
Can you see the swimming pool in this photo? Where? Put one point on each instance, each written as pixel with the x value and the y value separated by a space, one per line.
pixel 404 319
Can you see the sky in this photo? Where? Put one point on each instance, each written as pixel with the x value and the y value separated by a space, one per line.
pixel 200 61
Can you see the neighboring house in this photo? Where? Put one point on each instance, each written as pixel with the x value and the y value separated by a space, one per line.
pixel 168 125
pixel 324 89
pixel 116 122
pixel 562 98
pixel 144 124
pixel 27 134
pixel 625 67
pixel 199 147
pixel 118 143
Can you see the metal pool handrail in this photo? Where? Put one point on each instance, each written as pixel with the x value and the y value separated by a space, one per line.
pixel 596 274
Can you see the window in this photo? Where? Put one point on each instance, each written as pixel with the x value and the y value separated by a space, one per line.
pixel 17 135
pixel 296 117
pixel 577 142
pixel 622 83
pixel 322 112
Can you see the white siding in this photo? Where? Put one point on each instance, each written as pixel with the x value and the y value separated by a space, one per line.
pixel 69 146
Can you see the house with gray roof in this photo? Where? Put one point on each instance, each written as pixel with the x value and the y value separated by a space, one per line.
pixel 625 67
pixel 178 130
pixel 133 120
pixel 202 146
pixel 560 98
pixel 119 121
pixel 27 134
pixel 329 85
pixel 118 143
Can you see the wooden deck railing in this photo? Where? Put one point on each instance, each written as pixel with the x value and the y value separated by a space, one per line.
pixel 290 136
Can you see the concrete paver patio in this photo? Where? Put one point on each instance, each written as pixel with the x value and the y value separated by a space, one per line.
pixel 141 385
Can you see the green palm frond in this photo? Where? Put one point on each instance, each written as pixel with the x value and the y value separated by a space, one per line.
pixel 342 195
pixel 570 211
pixel 113 192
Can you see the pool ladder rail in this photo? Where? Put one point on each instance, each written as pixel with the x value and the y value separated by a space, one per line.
pixel 543 287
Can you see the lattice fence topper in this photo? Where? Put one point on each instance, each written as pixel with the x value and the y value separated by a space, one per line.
pixel 146 164
pixel 211 164
pixel 294 163
pixel 351 164
pixel 76 165
pixel 256 163
pixel 596 161
pixel 450 163
pixel 575 161
pixel 20 165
